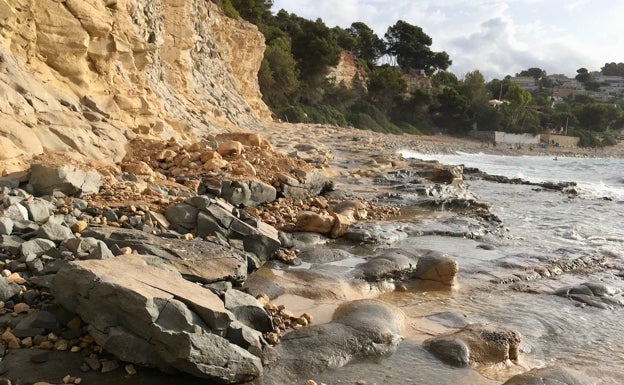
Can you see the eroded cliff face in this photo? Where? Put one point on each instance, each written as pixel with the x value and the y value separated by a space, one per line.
pixel 83 76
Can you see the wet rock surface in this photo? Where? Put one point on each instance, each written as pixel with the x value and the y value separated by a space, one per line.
pixel 360 329
pixel 476 345
pixel 549 376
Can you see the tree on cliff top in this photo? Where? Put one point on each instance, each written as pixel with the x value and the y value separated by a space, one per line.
pixel 254 11
pixel 368 45
pixel 411 47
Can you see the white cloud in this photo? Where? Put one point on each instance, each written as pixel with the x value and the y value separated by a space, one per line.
pixel 498 37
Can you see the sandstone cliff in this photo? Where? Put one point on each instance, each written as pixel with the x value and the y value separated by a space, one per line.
pixel 84 76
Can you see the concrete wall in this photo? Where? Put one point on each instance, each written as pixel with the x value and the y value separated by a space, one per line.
pixel 505 137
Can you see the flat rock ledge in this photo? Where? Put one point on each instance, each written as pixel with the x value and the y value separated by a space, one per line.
pixel 153 317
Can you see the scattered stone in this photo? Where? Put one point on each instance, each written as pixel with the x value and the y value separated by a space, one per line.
pixel 79 226
pixel 21 308
pixel 109 365
pixel 130 370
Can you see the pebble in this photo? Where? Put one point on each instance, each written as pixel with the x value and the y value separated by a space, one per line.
pixel 109 365
pixel 130 369
pixel 21 308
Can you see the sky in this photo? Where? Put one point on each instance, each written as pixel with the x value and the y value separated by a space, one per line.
pixel 498 38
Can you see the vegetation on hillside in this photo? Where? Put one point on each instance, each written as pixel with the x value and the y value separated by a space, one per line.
pixel 300 53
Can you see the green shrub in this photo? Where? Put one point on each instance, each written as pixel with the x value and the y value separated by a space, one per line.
pixel 229 10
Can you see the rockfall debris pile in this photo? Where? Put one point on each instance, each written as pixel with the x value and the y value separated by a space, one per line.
pixel 140 263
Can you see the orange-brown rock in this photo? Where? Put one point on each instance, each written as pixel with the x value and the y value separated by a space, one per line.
pixel 314 222
pixel 230 147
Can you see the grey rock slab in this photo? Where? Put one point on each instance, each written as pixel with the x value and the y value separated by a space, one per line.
pixel 182 215
pixel 7 289
pixel 37 247
pixel 11 243
pixel 149 316
pixel 69 180
pixel 248 310
pixel 38 210
pixel 309 184
pixel 54 231
pixel 236 192
pixel 261 192
pixel 16 211
pixel 198 260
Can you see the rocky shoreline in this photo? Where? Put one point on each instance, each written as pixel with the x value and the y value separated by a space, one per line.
pixel 172 259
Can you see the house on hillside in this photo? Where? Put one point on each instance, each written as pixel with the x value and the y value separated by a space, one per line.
pixel 526 82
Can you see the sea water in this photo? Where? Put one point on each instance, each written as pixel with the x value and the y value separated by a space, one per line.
pixel 545 225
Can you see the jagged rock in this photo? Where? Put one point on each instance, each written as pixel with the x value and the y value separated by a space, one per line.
pixel 198 260
pixel 434 266
pixel 69 180
pixel 549 376
pixel 37 247
pixel 100 251
pixel 7 289
pixel 54 231
pixel 309 221
pixel 11 243
pixel 182 215
pixel 16 212
pixel 148 316
pixel 476 344
pixel 309 184
pixel 594 294
pixel 248 310
pixel 38 210
pixel 6 226
pixel 247 193
pixel 216 216
pixel 366 328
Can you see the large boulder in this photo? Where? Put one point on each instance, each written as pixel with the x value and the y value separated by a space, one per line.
pixel 69 180
pixel 149 316
pixel 476 345
pixel 437 267
pixel 361 329
pixel 391 265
